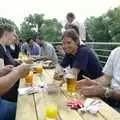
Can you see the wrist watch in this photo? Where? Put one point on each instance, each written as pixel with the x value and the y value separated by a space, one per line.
pixel 107 93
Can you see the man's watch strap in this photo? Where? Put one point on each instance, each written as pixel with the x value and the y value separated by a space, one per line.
pixel 107 93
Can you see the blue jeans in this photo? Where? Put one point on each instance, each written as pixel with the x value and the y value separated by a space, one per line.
pixel 7 110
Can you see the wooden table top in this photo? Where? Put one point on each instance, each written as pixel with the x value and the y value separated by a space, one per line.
pixel 30 107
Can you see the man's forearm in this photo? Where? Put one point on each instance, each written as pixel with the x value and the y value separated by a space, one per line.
pixel 6 82
pixel 115 94
pixel 104 80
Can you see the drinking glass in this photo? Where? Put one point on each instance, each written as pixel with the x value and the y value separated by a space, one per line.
pixel 52 102
pixel 29 78
pixel 71 83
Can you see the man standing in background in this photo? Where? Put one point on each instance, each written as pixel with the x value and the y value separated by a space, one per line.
pixel 72 21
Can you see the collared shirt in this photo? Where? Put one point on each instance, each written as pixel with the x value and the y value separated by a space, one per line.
pixel 35 50
pixel 82 30
pixel 112 68
pixel 48 50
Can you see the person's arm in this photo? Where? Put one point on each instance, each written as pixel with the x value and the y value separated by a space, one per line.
pixel 104 80
pixel 115 94
pixel 5 70
pixel 60 49
pixel 54 56
pixel 97 87
pixel 7 81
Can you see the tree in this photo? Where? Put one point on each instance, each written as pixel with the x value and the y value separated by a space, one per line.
pixel 105 28
pixel 7 21
pixel 52 30
pixel 36 24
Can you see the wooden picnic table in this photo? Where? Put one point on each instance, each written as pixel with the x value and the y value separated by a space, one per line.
pixel 29 107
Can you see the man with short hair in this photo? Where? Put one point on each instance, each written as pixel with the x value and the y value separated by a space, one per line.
pixel 46 49
pixel 71 20
pixel 30 47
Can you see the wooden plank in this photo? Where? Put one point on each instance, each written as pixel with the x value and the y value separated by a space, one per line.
pixel 108 112
pixel 25 106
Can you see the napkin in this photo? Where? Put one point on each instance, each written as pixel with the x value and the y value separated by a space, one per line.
pixel 90 105
pixel 30 90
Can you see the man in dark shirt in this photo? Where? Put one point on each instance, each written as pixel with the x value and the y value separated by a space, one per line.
pixel 79 57
pixel 84 60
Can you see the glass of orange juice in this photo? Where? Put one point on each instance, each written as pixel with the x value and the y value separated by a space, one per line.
pixel 52 102
pixel 38 69
pixel 51 111
pixel 29 78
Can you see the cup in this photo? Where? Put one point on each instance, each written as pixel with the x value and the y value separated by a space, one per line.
pixel 71 83
pixel 52 102
pixel 51 111
pixel 38 69
pixel 29 78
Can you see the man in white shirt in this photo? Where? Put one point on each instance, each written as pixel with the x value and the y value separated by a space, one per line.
pixel 71 20
pixel 111 77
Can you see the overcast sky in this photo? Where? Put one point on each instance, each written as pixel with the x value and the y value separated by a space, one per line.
pixel 16 10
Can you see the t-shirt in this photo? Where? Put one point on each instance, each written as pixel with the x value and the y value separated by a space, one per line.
pixel 84 60
pixel 112 68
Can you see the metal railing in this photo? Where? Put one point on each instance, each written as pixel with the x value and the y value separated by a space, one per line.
pixel 101 49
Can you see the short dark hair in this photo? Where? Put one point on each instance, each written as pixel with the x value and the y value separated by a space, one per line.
pixel 71 33
pixel 70 14
pixel 28 40
pixel 5 27
pixel 21 41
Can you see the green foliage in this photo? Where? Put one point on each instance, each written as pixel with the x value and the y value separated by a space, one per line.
pixel 105 28
pixel 6 21
pixel 36 24
pixel 52 30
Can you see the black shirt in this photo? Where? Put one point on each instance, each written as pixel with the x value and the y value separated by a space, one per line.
pixel 84 60
pixel 6 56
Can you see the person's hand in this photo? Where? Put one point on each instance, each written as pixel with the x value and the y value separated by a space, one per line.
pixel 86 82
pixel 92 91
pixel 60 49
pixel 29 61
pixel 6 69
pixel 23 69
pixel 58 75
